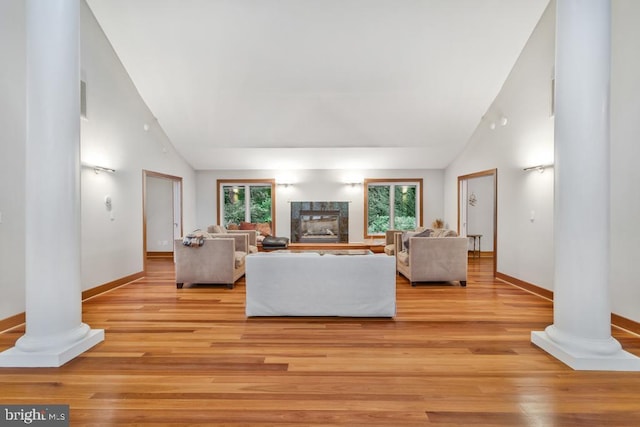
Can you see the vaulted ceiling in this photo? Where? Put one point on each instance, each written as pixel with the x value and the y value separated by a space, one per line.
pixel 318 84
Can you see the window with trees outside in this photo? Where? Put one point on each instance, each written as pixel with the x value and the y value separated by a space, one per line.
pixel 392 204
pixel 245 201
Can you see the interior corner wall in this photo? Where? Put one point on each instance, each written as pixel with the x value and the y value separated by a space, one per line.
pixel 12 156
pixel 318 185
pixel 114 135
pixel 524 246
pixel 625 152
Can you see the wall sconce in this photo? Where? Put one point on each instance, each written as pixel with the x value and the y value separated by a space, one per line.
pixel 97 169
pixel 285 184
pixel 353 184
pixel 539 168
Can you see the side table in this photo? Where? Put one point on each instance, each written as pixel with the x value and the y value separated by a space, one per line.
pixel 478 238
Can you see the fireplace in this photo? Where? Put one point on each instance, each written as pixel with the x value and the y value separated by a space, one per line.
pixel 319 222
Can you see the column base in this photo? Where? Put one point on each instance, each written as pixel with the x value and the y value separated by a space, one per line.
pixel 617 361
pixel 16 358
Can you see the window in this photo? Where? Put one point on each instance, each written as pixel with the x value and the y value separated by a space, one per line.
pixel 392 204
pixel 245 200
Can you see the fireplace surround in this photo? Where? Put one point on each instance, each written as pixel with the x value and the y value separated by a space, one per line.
pixel 319 222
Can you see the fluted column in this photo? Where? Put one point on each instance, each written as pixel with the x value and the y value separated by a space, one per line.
pixel 581 333
pixel 54 329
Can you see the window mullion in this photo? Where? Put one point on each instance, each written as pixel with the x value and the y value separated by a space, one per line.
pixel 392 204
pixel 247 203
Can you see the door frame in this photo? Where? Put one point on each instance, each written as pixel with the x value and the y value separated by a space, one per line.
pixel 177 205
pixel 488 172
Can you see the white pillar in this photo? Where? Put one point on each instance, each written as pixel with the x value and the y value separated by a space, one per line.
pixel 581 333
pixel 54 331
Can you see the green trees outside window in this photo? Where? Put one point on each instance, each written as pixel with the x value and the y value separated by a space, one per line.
pixel 246 202
pixel 392 205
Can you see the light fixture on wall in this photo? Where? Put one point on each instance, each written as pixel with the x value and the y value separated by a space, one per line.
pixel 97 169
pixel 538 168
pixel 353 181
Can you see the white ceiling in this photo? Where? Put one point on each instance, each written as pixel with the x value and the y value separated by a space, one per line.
pixel 318 84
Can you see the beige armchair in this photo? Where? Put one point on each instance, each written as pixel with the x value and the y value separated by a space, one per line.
pixel 253 235
pixel 433 259
pixel 389 241
pixel 220 260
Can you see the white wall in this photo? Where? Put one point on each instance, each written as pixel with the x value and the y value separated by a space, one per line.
pixel 112 136
pixel 318 185
pixel 525 248
pixel 625 153
pixel 159 214
pixel 12 156
pixel 480 216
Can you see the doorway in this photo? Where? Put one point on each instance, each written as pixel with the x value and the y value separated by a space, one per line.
pixel 162 214
pixel 478 211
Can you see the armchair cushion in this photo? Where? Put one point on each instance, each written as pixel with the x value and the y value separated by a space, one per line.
pixel 239 258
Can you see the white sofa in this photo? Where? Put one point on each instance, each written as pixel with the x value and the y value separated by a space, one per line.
pixel 311 284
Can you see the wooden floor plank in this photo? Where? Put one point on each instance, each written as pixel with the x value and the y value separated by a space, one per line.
pixel 452 356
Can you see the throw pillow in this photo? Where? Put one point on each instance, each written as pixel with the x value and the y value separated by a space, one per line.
pixel 217 229
pixel 264 228
pixel 409 234
pixel 405 239
pixel 424 233
pixel 247 225
pixel 232 226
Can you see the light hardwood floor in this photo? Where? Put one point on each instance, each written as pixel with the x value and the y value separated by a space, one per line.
pixel 453 356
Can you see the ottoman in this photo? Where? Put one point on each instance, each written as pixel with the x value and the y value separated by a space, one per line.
pixel 270 243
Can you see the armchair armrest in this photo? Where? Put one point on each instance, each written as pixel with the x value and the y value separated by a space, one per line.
pixel 390 236
pixel 241 240
pixel 253 235
pixel 397 241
